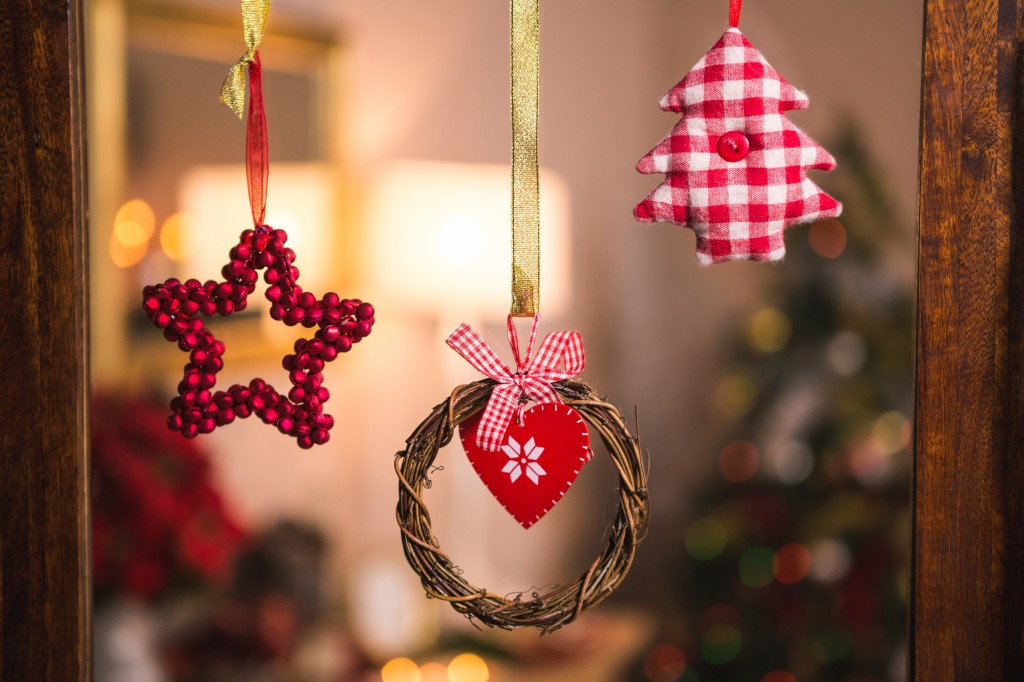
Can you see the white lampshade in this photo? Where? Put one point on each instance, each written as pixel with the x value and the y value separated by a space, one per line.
pixel 299 201
pixel 439 238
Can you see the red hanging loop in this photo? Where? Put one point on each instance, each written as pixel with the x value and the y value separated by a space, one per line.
pixel 257 162
pixel 735 7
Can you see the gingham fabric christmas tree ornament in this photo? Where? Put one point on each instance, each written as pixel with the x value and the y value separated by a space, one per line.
pixel 735 166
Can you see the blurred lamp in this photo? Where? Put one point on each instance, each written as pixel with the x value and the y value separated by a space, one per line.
pixel 214 209
pixel 439 238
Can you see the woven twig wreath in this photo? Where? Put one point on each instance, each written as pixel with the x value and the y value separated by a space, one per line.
pixel 442 579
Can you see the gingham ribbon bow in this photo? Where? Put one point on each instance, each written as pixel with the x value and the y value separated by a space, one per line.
pixel 560 357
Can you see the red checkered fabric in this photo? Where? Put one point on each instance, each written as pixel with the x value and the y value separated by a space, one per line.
pixel 560 357
pixel 738 209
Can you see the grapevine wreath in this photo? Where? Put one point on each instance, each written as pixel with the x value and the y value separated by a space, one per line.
pixel 441 577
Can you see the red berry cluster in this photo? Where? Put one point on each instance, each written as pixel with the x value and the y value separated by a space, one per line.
pixel 341 322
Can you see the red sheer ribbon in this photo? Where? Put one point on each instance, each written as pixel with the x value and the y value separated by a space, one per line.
pixel 257 162
pixel 735 7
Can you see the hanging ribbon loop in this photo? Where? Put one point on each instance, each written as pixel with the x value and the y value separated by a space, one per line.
pixel 735 7
pixel 524 45
pixel 254 25
pixel 257 161
pixel 560 357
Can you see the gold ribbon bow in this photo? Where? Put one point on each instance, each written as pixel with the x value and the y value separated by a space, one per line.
pixel 254 23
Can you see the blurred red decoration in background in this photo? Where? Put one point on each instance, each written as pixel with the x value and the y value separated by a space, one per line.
pixel 158 521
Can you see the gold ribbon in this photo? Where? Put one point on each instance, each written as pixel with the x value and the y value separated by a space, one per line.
pixel 525 59
pixel 254 23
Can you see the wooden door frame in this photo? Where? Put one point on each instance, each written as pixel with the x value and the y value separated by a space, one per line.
pixel 967 605
pixel 44 531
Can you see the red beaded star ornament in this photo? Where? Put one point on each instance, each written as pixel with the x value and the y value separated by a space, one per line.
pixel 173 306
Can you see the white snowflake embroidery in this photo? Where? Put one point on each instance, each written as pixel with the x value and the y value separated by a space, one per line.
pixel 523 459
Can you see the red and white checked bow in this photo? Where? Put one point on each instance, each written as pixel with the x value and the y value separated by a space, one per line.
pixel 532 378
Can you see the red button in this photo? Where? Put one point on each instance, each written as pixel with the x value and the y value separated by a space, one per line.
pixel 733 146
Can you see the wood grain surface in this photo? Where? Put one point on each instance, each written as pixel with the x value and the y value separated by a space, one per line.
pixel 44 551
pixel 968 564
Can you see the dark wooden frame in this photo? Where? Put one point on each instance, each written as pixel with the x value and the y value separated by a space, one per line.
pixel 44 532
pixel 967 611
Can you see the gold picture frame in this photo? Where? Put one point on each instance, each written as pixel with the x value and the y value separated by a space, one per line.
pixel 154 71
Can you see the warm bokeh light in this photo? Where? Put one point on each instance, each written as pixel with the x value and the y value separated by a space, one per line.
pixel 720 644
pixel 705 539
pixel 830 560
pixel 665 663
pixel 400 670
pixel 756 567
pixel 720 614
pixel 867 458
pixel 790 461
pixel 735 394
pixel 433 672
pixel 468 668
pixel 133 226
pixel 739 461
pixel 303 202
pixel 178 236
pixel 827 238
pixel 125 256
pixel 459 239
pixel 779 676
pixel 458 233
pixel 136 218
pixel 792 563
pixel 769 330
pixel 846 353
pixel 130 233
pixel 891 431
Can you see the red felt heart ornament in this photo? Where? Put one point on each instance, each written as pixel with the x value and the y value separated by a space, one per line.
pixel 538 461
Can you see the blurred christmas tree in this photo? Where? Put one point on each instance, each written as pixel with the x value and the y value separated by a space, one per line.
pixel 796 562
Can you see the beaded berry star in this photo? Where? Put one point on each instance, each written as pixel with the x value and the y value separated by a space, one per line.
pixel 173 306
